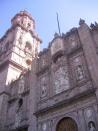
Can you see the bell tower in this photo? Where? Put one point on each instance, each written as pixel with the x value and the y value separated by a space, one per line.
pixel 18 47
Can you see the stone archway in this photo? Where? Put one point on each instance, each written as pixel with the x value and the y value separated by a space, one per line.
pixel 67 124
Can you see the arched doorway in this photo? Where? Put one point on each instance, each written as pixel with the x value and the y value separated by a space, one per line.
pixel 67 124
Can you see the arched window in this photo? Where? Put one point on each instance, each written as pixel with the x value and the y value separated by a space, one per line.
pixel 28 48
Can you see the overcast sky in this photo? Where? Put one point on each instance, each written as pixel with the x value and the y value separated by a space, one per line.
pixel 44 13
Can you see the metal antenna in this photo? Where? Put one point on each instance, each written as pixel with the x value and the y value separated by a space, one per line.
pixel 58 24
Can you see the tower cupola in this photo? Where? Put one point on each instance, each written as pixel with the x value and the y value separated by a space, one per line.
pixel 19 46
pixel 24 20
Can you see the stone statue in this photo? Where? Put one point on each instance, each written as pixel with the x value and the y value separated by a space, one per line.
pixel 80 72
pixel 81 22
pixel 92 126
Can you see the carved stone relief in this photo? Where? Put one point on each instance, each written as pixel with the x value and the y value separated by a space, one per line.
pixel 61 79
pixel 25 21
pixel 43 61
pixel 44 85
pixel 78 68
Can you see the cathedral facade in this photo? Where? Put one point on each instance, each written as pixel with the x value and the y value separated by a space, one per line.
pixel 52 90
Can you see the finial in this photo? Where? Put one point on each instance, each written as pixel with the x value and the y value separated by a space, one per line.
pixel 81 22
pixel 96 24
pixel 92 25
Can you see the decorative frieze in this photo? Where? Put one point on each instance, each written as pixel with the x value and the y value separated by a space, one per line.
pixel 79 69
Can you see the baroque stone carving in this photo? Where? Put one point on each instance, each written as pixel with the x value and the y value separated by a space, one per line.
pixel 61 79
pixel 79 68
pixel 43 83
pixel 79 72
